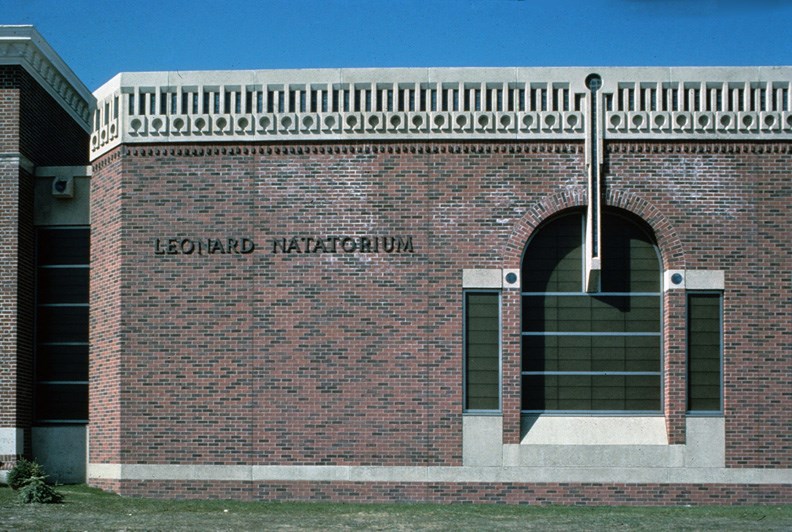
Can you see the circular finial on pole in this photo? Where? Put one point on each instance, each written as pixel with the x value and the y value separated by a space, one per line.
pixel 593 82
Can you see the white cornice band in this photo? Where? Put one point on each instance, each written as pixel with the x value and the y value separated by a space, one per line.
pixel 24 46
pixel 652 103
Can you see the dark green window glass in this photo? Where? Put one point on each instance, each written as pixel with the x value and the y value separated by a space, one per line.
pixel 591 353
pixel 59 246
pixel 704 352
pixel 630 257
pixel 62 401
pixel 592 392
pixel 482 351
pixel 597 351
pixel 63 285
pixel 62 274
pixel 554 263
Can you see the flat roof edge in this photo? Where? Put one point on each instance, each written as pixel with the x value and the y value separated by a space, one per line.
pixel 24 46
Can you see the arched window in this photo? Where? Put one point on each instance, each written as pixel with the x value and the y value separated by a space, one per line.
pixel 591 352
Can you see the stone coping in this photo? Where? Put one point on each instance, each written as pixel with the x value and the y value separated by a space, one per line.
pixel 651 103
pixel 24 46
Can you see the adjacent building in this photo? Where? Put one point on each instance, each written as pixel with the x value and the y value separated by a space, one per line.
pixel 535 285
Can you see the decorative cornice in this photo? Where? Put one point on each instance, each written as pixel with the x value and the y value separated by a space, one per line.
pixel 699 147
pixel 24 46
pixel 451 104
pixel 191 150
pixel 660 147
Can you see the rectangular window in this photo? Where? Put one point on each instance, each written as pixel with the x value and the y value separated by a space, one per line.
pixel 61 350
pixel 482 351
pixel 705 333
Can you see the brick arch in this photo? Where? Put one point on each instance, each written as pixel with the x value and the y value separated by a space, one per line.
pixel 671 250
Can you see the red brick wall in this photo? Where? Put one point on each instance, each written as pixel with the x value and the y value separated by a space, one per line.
pixel 9 109
pixel 12 384
pixel 34 125
pixel 49 136
pixel 10 381
pixel 730 206
pixel 105 318
pixel 16 269
pixel 356 358
pixel 305 358
pixel 462 492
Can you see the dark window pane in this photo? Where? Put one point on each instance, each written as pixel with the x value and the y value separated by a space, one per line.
pixel 591 353
pixel 482 351
pixel 63 285
pixel 62 324
pixel 587 313
pixel 63 246
pixel 62 362
pixel 61 349
pixel 704 352
pixel 592 392
pixel 61 402
pixel 553 261
pixel 629 258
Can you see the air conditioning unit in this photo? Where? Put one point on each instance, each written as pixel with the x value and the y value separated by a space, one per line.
pixel 63 187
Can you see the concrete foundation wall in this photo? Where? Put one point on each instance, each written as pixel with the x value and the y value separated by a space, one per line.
pixel 62 452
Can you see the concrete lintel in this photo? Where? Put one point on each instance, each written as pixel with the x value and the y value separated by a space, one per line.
pixel 64 171
pixel 695 279
pixel 705 280
pixel 482 278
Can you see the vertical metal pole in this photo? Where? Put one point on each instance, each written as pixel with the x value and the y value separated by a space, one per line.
pixel 594 166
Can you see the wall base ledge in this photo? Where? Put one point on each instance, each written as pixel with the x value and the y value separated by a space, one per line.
pixel 433 474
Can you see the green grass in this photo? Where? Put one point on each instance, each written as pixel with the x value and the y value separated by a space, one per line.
pixel 86 508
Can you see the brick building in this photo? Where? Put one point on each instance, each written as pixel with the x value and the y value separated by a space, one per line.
pixel 515 284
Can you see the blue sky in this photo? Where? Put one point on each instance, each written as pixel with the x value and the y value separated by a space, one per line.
pixel 101 38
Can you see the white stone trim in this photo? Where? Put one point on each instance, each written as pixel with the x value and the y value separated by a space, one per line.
pixel 482 278
pixel 421 474
pixel 12 441
pixel 482 440
pixel 24 46
pixel 593 430
pixel 705 441
pixel 506 283
pixel 741 103
pixel 695 280
pixel 705 280
pixel 23 162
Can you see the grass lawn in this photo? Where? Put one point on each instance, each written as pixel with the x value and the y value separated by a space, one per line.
pixel 86 508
